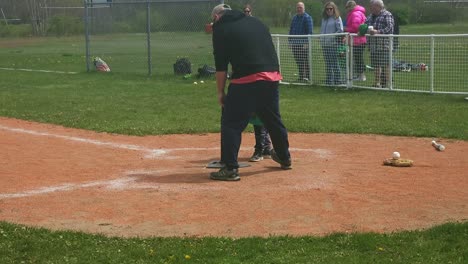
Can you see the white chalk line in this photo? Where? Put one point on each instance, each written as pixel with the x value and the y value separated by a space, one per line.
pixel 125 183
pixel 129 182
pixel 150 153
pixel 32 70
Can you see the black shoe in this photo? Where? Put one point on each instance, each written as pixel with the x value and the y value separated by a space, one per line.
pixel 257 156
pixel 224 174
pixel 285 165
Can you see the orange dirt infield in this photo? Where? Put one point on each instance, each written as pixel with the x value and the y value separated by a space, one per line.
pixel 62 178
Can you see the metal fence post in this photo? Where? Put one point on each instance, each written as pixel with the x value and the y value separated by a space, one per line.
pixel 148 34
pixel 390 54
pixel 349 60
pixel 309 59
pixel 432 62
pixel 86 20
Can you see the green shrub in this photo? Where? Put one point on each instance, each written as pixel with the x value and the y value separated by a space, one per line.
pixel 433 15
pixel 65 26
pixel 21 30
pixel 122 27
pixel 401 14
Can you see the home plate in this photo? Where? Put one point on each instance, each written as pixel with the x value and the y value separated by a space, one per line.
pixel 216 164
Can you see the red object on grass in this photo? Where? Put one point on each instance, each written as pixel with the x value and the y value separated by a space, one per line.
pixel 209 28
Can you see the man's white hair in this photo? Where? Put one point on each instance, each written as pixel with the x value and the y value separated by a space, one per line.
pixel 378 3
pixel 220 9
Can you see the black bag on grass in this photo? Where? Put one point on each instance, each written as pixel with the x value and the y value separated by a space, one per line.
pixel 206 71
pixel 182 66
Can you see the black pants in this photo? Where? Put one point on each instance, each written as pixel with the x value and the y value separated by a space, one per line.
pixel 301 55
pixel 358 57
pixel 242 100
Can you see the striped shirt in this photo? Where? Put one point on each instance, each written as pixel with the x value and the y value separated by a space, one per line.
pixel 384 23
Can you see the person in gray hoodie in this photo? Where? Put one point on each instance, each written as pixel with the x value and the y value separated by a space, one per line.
pixel 331 23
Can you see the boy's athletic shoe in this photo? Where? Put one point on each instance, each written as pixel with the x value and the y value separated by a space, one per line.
pixel 257 156
pixel 224 174
pixel 361 78
pixel 285 165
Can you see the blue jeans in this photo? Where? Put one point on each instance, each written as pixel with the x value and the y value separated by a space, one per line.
pixel 333 71
pixel 262 139
pixel 242 100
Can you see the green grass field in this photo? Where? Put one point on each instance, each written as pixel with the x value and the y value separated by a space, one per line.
pixel 442 244
pixel 137 105
pixel 130 102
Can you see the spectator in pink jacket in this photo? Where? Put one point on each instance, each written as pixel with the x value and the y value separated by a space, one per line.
pixel 356 16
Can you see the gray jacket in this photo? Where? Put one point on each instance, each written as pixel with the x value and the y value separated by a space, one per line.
pixel 330 25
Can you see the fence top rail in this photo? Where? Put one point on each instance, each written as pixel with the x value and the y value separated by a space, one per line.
pixel 306 36
pixel 87 2
pixel 382 36
pixel 449 35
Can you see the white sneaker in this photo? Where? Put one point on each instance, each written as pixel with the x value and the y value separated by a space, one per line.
pixel 362 77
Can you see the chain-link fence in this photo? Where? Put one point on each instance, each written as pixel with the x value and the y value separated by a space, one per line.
pixel 148 36
pixel 417 63
pixel 41 18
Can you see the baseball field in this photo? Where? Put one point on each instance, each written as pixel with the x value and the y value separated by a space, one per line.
pixel 111 168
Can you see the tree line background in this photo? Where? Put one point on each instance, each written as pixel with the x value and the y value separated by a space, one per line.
pixel 42 17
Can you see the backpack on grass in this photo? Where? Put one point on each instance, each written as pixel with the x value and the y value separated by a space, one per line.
pixel 182 66
pixel 206 71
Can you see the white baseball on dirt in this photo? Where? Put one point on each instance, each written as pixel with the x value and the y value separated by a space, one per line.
pixel 396 155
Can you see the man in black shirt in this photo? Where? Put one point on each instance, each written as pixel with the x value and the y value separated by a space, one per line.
pixel 245 43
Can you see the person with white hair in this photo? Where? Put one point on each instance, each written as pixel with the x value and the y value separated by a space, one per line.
pixel 380 22
pixel 246 43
